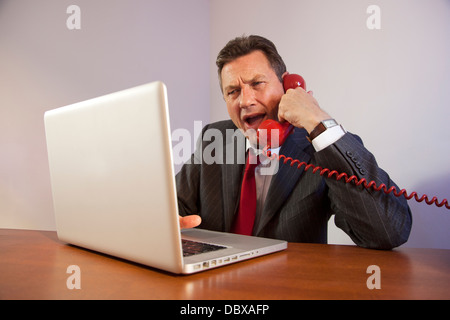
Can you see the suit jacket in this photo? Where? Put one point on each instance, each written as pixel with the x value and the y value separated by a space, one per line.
pixel 299 202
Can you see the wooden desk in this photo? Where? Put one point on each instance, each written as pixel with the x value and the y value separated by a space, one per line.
pixel 33 265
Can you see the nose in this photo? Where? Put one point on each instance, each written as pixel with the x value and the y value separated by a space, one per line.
pixel 247 97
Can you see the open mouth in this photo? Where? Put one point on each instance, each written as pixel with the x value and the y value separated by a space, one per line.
pixel 253 121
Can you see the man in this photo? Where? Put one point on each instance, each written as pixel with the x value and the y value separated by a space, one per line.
pixel 292 204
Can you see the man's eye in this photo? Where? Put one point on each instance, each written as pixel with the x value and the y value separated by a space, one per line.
pixel 233 92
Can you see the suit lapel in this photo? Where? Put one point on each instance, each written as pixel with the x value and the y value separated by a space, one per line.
pixel 231 178
pixel 287 177
pixel 232 185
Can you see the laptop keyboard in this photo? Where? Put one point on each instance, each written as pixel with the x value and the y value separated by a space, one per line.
pixel 191 248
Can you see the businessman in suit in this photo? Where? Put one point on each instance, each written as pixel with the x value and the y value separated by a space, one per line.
pixel 291 204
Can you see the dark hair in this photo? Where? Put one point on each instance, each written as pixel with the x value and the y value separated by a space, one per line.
pixel 244 45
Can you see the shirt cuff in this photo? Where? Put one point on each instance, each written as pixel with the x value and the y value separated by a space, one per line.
pixel 328 137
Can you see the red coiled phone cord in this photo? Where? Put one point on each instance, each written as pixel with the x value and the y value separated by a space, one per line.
pixel 372 184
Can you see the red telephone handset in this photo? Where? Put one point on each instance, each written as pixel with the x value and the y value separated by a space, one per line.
pixel 290 81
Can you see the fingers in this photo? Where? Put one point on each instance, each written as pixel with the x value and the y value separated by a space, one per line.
pixel 190 221
pixel 300 108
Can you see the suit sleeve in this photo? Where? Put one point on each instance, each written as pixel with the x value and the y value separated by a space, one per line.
pixel 371 218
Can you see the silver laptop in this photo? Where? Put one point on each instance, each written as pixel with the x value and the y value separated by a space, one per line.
pixel 114 187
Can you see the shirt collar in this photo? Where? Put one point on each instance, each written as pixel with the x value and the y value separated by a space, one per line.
pixel 259 152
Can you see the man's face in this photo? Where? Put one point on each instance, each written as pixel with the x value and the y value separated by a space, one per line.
pixel 252 90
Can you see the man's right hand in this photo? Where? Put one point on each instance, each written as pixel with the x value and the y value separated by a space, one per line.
pixel 191 221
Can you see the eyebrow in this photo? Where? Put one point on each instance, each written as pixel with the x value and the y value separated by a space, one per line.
pixel 257 77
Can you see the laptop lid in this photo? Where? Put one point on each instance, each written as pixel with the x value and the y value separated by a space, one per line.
pixel 112 179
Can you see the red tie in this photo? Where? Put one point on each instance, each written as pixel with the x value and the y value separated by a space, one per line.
pixel 247 204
